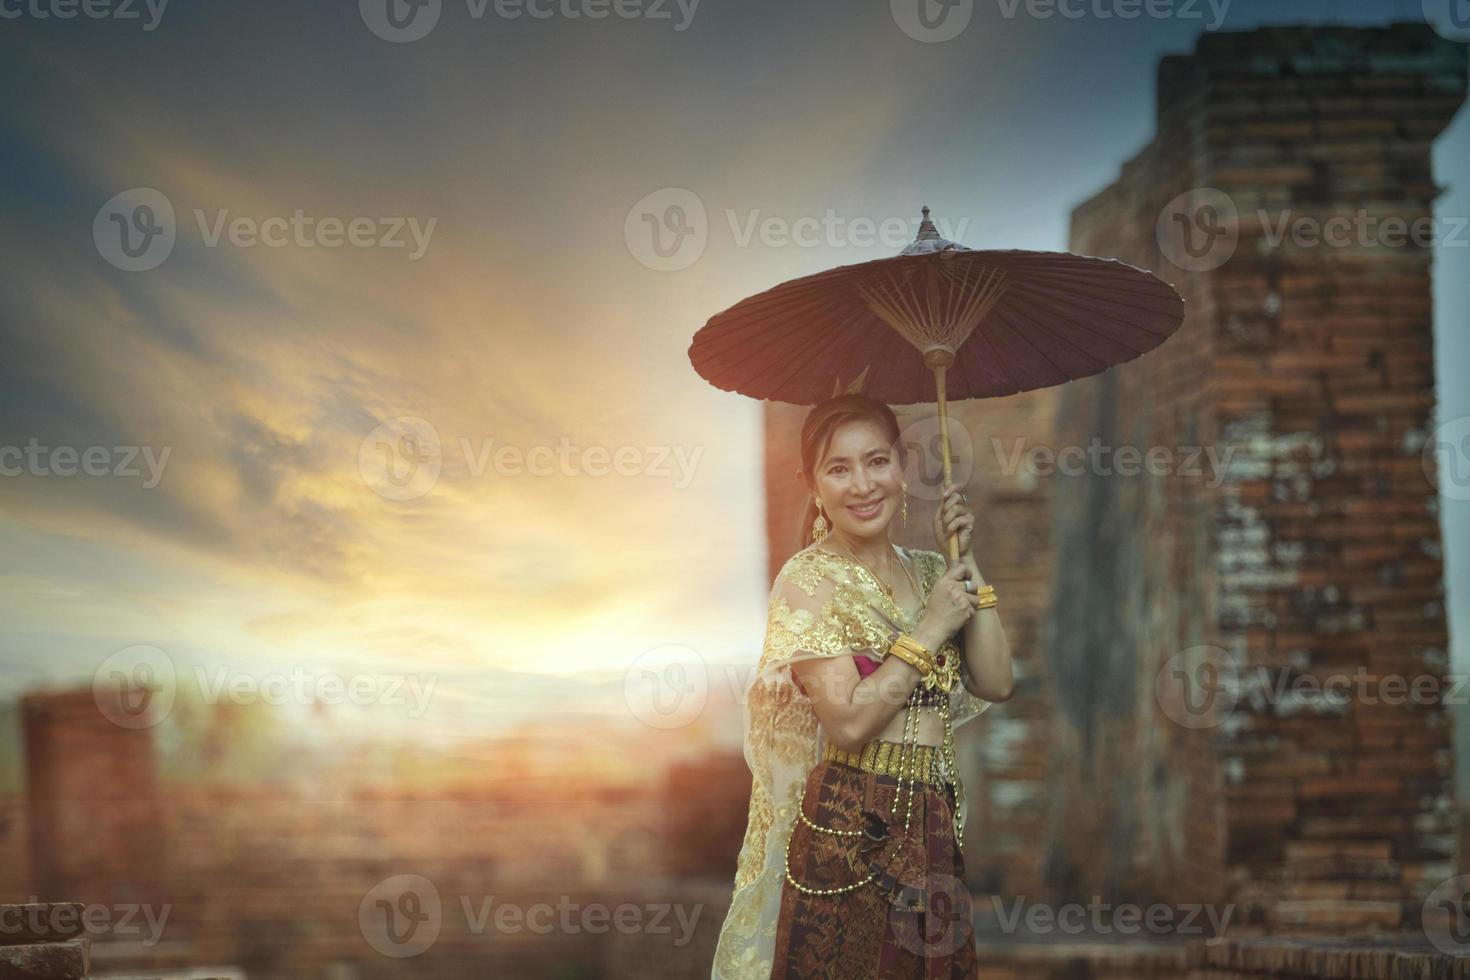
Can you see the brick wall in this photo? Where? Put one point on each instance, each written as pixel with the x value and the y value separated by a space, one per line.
pixel 1319 553
pixel 74 753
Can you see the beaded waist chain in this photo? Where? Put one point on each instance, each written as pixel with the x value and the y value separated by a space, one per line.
pixel 885 759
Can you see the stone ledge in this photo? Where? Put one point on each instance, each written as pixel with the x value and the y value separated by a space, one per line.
pixel 40 922
pixel 1390 957
pixel 44 961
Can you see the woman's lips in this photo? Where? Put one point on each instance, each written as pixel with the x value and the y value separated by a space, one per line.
pixel 870 512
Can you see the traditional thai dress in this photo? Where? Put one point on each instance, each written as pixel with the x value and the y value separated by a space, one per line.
pixel 891 815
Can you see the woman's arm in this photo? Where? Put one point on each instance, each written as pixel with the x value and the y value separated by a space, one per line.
pixel 987 651
pixel 853 709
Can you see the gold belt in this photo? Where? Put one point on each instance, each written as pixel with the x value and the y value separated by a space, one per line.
pixel 885 759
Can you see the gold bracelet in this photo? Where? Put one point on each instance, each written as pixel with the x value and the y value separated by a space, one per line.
pixel 923 668
pixel 915 647
pixel 986 601
pixel 913 653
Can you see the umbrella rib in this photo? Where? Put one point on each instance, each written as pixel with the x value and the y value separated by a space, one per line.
pixel 1069 301
pixel 1041 284
pixel 1062 339
pixel 1061 308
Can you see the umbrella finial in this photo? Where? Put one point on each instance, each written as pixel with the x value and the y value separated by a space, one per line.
pixel 927 231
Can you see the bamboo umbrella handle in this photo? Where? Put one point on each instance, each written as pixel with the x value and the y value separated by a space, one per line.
pixel 939 363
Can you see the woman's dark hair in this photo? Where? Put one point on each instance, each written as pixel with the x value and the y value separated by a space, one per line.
pixel 816 436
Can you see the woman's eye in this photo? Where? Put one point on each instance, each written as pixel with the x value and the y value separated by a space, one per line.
pixel 880 460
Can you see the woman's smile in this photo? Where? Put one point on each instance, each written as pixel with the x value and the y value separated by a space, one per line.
pixel 868 512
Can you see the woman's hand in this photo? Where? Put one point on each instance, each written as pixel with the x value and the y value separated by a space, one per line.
pixel 949 607
pixel 953 514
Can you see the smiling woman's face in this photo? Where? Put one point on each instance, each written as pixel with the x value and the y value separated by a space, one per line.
pixel 860 468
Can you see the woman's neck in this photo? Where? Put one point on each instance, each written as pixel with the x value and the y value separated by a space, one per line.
pixel 875 552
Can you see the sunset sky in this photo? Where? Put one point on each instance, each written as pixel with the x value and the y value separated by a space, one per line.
pixel 269 540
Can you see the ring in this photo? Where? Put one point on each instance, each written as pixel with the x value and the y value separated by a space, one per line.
pixel 969 586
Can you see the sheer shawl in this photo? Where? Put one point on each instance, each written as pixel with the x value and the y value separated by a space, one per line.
pixel 821 605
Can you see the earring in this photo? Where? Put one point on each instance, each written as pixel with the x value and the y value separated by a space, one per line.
pixel 819 526
pixel 904 511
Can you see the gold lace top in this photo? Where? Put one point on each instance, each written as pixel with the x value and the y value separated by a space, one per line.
pixel 821 605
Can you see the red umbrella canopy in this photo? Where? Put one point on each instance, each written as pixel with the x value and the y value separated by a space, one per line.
pixel 982 323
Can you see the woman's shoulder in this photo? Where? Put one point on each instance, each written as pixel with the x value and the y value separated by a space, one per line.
pixel 807 567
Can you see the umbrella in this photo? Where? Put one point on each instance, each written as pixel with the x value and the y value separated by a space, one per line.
pixel 938 321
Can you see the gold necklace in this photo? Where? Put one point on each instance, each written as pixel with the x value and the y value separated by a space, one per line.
pixel 888 589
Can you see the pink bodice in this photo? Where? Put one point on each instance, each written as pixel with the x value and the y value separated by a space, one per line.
pixel 865 666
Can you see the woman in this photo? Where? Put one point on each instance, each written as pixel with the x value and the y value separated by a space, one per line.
pixel 851 865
